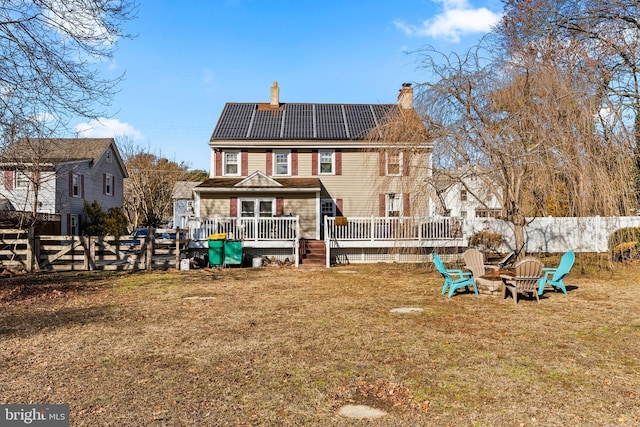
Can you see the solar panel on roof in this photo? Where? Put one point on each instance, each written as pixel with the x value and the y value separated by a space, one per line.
pixel 330 122
pixel 298 121
pixel 234 121
pixel 384 112
pixel 266 124
pixel 360 120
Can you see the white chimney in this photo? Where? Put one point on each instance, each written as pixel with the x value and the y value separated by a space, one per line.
pixel 405 98
pixel 275 96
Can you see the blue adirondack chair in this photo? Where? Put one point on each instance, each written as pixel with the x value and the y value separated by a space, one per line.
pixel 554 276
pixel 464 278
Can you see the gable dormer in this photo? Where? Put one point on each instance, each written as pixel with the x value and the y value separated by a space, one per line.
pixel 258 179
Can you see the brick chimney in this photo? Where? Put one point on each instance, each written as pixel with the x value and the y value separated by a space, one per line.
pixel 405 98
pixel 275 96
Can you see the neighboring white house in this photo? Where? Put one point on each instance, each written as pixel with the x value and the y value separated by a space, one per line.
pixel 183 203
pixel 57 176
pixel 465 194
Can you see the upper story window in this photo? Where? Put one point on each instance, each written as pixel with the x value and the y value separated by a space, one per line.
pixel 75 185
pixel 231 163
pixel 108 184
pixel 463 195
pixel 394 164
pixel 282 163
pixel 109 156
pixel 326 162
pixel 22 180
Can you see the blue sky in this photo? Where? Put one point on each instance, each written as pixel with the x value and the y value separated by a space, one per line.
pixel 191 57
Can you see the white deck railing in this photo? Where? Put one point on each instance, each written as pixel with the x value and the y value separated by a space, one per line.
pixel 393 228
pixel 247 229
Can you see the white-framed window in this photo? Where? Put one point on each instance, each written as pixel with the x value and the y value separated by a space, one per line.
pixel 489 213
pixel 250 208
pixel 326 162
pixel 394 164
pixel 282 163
pixel 394 204
pixel 463 214
pixel 231 160
pixel 108 184
pixel 22 180
pixel 463 195
pixel 75 185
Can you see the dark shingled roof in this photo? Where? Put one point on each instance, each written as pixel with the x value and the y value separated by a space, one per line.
pixel 291 121
pixel 56 150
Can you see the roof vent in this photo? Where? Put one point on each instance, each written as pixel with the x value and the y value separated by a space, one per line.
pixel 275 96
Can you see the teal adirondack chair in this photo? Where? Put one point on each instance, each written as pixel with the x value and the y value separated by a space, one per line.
pixel 554 276
pixel 464 278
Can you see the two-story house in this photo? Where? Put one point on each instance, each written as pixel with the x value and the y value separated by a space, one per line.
pixel 313 160
pixel 466 193
pixel 57 175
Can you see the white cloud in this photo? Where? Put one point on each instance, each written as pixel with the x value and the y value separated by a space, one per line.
pixel 208 76
pixel 458 18
pixel 208 79
pixel 107 128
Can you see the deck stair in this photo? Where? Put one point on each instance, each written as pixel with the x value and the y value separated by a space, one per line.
pixel 313 253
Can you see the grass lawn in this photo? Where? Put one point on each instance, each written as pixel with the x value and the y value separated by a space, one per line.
pixel 285 347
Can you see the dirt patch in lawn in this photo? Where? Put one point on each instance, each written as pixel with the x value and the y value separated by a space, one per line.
pixel 281 346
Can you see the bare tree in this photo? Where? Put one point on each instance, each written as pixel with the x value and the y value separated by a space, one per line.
pixel 529 123
pixel 50 55
pixel 50 51
pixel 402 135
pixel 148 190
pixel 606 34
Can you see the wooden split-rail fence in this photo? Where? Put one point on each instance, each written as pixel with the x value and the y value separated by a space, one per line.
pixel 24 250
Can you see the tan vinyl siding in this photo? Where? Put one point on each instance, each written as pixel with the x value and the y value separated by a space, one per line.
pixel 257 161
pixel 304 164
pixel 354 186
pixel 359 185
pixel 303 206
pixel 212 205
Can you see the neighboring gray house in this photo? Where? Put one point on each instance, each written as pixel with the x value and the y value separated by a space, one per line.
pixel 57 175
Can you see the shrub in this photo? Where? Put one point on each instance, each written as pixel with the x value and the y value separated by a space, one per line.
pixel 486 241
pixel 623 244
pixel 100 223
